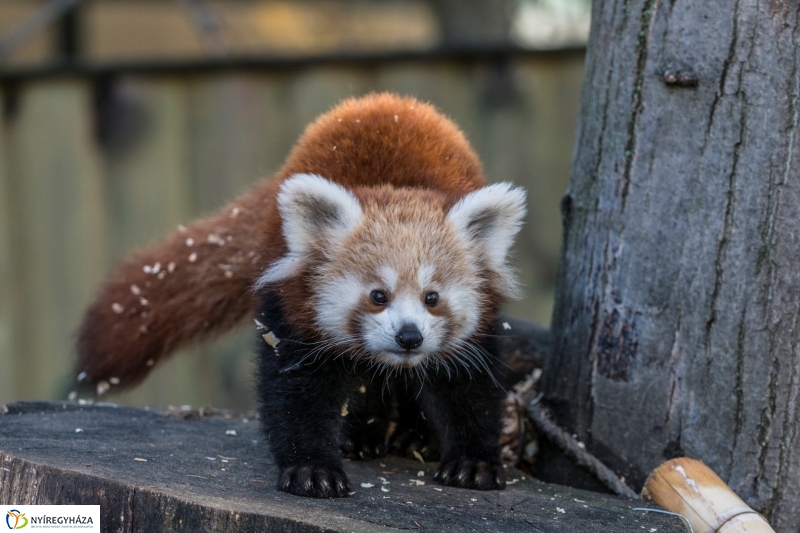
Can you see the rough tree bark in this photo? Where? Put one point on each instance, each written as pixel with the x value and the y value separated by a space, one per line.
pixel 676 323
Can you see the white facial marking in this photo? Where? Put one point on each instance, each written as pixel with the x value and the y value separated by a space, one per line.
pixel 337 300
pixel 389 276
pixel 380 329
pixel 464 302
pixel 425 276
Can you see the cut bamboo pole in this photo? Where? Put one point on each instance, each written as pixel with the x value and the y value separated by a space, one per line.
pixel 691 489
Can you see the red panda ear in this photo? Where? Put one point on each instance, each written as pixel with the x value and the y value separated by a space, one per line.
pixel 312 209
pixel 489 219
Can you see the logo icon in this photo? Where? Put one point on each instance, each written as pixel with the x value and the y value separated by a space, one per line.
pixel 19 520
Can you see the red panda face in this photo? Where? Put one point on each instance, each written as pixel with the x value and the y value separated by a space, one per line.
pixel 401 277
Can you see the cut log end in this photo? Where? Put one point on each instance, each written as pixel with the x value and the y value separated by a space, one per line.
pixel 688 487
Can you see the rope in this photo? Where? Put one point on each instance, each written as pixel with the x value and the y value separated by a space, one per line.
pixel 579 455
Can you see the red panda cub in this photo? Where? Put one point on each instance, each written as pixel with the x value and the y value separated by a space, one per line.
pixel 382 259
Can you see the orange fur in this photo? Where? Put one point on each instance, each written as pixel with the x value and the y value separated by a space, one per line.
pixel 141 316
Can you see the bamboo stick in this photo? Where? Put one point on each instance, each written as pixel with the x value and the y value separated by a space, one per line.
pixel 691 489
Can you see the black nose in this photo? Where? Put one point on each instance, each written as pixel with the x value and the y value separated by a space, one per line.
pixel 409 337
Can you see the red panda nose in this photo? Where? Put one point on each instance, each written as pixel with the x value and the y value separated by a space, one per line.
pixel 409 337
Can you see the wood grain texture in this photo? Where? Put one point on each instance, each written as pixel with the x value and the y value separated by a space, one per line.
pixel 675 323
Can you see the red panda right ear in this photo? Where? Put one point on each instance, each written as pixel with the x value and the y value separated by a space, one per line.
pixel 489 219
pixel 314 211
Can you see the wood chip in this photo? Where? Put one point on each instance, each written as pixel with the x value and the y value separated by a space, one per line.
pixel 418 456
pixel 139 460
pixel 271 339
pixel 102 387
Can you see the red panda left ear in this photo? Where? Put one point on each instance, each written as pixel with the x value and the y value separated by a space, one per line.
pixel 489 219
pixel 313 211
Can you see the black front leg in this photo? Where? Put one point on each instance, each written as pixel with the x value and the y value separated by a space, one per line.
pixel 366 425
pixel 302 393
pixel 413 435
pixel 466 412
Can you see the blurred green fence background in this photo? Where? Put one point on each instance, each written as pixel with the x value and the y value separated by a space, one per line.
pixel 93 166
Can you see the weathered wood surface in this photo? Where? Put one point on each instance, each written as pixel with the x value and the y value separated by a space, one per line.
pixel 675 324
pixel 65 453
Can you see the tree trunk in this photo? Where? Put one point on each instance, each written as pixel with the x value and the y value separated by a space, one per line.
pixel 676 322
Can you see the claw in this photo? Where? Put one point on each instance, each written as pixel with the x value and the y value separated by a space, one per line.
pixel 471 473
pixel 319 482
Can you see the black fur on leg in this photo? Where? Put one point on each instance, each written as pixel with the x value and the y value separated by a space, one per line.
pixel 366 425
pixel 302 395
pixel 413 432
pixel 467 414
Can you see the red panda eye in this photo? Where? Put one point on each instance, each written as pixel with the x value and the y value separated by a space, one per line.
pixel 378 297
pixel 431 299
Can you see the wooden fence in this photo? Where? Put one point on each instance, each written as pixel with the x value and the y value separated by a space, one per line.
pixel 90 169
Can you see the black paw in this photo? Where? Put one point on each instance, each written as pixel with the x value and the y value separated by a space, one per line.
pixel 366 441
pixel 314 481
pixel 469 473
pixel 405 442
pixel 363 448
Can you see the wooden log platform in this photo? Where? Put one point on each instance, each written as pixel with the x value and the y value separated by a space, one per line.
pixel 211 471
